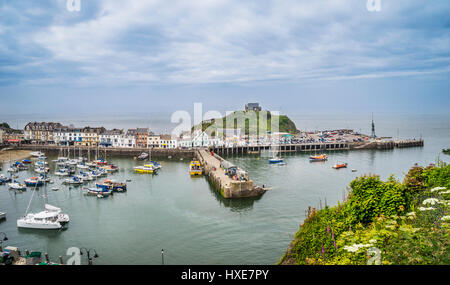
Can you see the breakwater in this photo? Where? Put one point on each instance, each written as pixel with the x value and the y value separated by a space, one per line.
pixel 226 185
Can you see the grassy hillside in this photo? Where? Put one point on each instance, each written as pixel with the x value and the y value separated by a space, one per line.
pixel 385 222
pixel 254 122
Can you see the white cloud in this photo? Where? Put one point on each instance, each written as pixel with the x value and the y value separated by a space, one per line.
pixel 140 42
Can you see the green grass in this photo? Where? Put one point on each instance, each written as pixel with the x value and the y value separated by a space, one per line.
pixel 254 123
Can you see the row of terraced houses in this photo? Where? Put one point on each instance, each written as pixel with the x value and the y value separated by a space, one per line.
pixel 57 134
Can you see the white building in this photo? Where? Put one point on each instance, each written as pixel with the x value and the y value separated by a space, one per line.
pixel 154 140
pixel 201 139
pixel 67 136
pixel 1 136
pixel 110 138
pixel 166 141
pixel 126 140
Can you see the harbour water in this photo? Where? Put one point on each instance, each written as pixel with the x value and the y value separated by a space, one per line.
pixel 192 223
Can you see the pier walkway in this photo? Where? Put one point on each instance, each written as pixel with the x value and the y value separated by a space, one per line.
pixel 227 186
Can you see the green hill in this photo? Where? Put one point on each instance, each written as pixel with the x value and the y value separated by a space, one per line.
pixel 254 122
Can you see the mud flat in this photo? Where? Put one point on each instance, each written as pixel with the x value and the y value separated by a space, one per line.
pixel 13 155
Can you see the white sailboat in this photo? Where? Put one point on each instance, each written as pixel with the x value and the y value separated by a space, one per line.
pixel 49 219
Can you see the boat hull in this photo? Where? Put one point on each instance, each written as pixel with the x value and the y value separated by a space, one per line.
pixel 41 226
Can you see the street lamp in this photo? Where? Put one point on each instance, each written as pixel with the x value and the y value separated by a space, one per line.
pixel 5 238
pixel 89 254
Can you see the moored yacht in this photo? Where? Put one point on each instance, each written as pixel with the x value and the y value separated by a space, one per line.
pixel 50 218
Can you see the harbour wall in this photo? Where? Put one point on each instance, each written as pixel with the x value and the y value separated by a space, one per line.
pixel 227 187
pixel 189 153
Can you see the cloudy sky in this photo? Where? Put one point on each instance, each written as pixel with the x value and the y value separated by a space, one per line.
pixel 163 55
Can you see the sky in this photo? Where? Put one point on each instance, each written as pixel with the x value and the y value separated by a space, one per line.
pixel 120 57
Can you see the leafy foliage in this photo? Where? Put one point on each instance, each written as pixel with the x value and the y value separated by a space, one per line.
pixel 407 222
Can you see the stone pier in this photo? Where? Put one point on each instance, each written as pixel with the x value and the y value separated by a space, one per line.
pixel 227 187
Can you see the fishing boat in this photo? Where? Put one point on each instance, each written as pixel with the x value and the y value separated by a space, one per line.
pixel 42 170
pixel 148 168
pixel 33 182
pixel 112 185
pixel 82 165
pixel 26 161
pixel 4 179
pixel 44 178
pixel 20 166
pixel 101 161
pixel 50 218
pixel 17 186
pixel 73 180
pixel 321 157
pixel 340 165
pixel 109 168
pixel 62 172
pixel 41 161
pixel 195 168
pixel 85 176
pixel 97 191
pixel 275 160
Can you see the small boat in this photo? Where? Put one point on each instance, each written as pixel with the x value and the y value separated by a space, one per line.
pixel 26 161
pixel 275 160
pixel 354 170
pixel 82 166
pixel 143 156
pixel 97 191
pixel 13 169
pixel 85 176
pixel 62 172
pixel 101 161
pixel 73 181
pixel 112 185
pixel 148 168
pixel 110 168
pixel 155 164
pixel 37 154
pixel 33 182
pixel 17 186
pixel 55 189
pixel 2 215
pixel 20 166
pixel 321 157
pixel 42 170
pixel 4 179
pixel 340 165
pixel 195 168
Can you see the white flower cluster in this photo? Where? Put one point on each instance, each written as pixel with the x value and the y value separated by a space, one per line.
pixel 438 189
pixel 430 201
pixel 356 247
pixel 426 209
pixel 446 192
pixel 445 218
